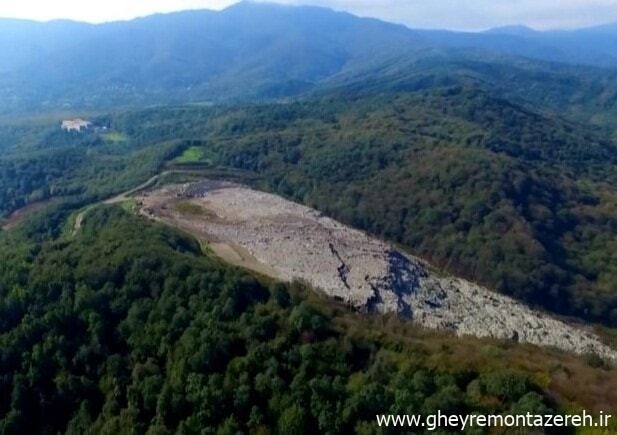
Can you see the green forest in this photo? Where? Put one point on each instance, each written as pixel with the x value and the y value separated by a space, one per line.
pixel 491 156
pixel 521 201
pixel 130 327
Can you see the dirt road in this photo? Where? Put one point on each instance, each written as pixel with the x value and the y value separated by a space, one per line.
pixel 125 196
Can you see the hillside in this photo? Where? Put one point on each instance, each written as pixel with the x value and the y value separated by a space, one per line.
pixel 246 51
pixel 256 51
pixel 582 94
pixel 519 201
pixel 516 200
pixel 489 191
pixel 286 220
pixel 290 242
pixel 128 326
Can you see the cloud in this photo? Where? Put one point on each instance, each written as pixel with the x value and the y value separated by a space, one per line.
pixel 453 14
pixel 100 11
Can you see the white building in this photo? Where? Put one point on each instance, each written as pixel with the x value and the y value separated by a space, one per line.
pixel 75 125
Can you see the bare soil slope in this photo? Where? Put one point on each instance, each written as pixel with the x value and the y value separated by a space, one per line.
pixel 288 241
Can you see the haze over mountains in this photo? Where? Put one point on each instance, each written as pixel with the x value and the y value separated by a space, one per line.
pixel 263 51
pixel 595 46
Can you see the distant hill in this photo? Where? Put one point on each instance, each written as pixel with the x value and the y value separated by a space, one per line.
pixel 248 50
pixel 23 42
pixel 517 30
pixel 256 51
pixel 595 46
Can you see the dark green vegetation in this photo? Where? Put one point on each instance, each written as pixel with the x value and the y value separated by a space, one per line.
pixel 520 201
pixel 501 169
pixel 42 162
pixel 587 95
pixel 128 328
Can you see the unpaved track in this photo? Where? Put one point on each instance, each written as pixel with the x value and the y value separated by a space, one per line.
pixel 17 216
pixel 125 196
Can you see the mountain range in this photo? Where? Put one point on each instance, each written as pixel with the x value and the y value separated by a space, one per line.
pixel 256 51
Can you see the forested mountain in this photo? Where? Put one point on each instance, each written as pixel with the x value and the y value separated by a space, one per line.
pixel 515 199
pixel 129 328
pixel 248 50
pixel 492 155
pixel 508 197
pixel 263 51
pixel 587 95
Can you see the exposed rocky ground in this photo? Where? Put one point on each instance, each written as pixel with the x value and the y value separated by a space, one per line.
pixel 289 241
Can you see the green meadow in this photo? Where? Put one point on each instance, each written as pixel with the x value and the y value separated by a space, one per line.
pixel 114 137
pixel 193 154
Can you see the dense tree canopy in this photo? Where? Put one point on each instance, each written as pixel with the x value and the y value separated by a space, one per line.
pixel 128 328
pixel 522 202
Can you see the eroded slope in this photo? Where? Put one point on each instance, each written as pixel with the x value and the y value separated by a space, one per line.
pixel 289 241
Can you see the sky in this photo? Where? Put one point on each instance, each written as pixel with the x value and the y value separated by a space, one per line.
pixel 450 14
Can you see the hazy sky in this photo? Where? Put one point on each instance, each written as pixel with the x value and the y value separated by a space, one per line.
pixel 453 14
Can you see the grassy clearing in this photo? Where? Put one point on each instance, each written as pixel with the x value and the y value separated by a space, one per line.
pixel 129 205
pixel 115 137
pixel 193 155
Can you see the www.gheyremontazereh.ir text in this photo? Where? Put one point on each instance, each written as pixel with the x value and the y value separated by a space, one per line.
pixel 441 421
